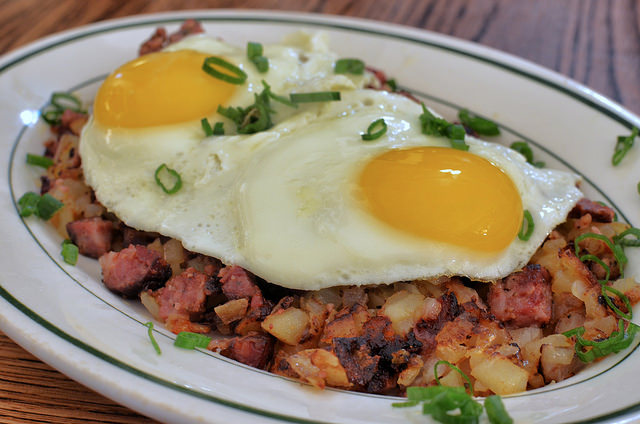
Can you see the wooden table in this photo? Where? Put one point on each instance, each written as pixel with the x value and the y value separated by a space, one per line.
pixel 595 42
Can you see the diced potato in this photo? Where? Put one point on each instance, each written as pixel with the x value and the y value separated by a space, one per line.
pixel 403 309
pixel 409 374
pixel 556 362
pixel 174 254
pixel 287 325
pixel 150 303
pixel 319 368
pixel 499 374
pixel 232 311
pixel 522 336
pixel 452 379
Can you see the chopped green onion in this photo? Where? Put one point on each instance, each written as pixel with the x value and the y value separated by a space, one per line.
pixel 349 66
pixel 44 207
pixel 623 145
pixel 639 188
pixel 496 411
pixel 38 160
pixel 188 340
pixel 393 85
pixel 149 325
pixel 480 125
pixel 370 134
pixel 48 206
pixel 623 241
pixel 618 341
pixel 274 96
pixel 28 204
pixel 618 253
pixel 206 127
pixel 238 77
pixel 527 226
pixel 454 368
pixel 599 261
pixel 58 103
pixel 318 96
pixel 254 53
pixel 432 125
pixel 524 149
pixel 605 289
pixel 69 252
pixel 65 101
pixel 163 172
pixel 218 128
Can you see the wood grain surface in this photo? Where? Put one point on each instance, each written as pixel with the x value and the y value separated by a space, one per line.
pixel 596 42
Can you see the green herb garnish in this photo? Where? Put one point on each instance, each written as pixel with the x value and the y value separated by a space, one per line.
pixel 393 85
pixel 527 226
pixel 188 340
pixel 439 127
pixel 623 145
pixel 617 250
pixel 318 96
pixel 622 239
pixel 254 53
pixel 58 103
pixel 480 125
pixel 44 207
pixel 163 172
pixel 218 128
pixel 588 351
pixel 69 252
pixel 206 127
pixel 349 66
pixel 237 76
pixel 376 130
pixel 149 325
pixel 524 149
pixel 37 160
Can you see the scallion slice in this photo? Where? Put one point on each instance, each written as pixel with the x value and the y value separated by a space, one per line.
pixel 48 206
pixel 622 239
pixel 480 125
pixel 188 340
pixel 496 412
pixel 254 53
pixel 527 226
pixel 453 368
pixel 218 128
pixel 37 160
pixel 524 149
pixel 206 127
pixel 163 172
pixel 617 250
pixel 376 130
pixel 28 204
pixel 393 85
pixel 237 76
pixel 277 98
pixel 69 252
pixel 149 325
pixel 588 351
pixel 623 145
pixel 349 66
pixel 318 96
pixel 65 101
pixel 606 289
pixel 432 125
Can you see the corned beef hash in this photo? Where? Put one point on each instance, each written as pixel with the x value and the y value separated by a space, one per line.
pixel 307 218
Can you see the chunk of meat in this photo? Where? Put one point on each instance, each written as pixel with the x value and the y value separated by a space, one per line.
pixel 237 283
pixel 92 236
pixel 182 301
pixel 132 236
pixel 427 330
pixel 133 269
pixel 160 39
pixel 597 211
pixel 254 349
pixel 523 298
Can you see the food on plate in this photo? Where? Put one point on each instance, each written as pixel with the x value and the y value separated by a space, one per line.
pixel 315 223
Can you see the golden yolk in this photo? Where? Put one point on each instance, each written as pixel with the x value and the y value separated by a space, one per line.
pixel 160 89
pixel 443 194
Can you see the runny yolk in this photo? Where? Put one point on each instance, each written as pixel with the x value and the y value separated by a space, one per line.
pixel 443 194
pixel 160 89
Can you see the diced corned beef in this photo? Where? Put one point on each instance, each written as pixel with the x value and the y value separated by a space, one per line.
pixel 160 40
pixel 133 269
pixel 92 236
pixel 183 299
pixel 597 211
pixel 523 298
pixel 254 349
pixel 237 283
pixel 132 236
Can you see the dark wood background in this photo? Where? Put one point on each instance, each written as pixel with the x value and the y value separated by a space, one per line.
pixel 596 42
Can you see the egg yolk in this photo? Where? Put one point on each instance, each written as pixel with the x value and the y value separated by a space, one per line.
pixel 160 89
pixel 443 194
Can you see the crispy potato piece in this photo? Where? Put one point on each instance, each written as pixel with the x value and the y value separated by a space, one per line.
pixel 287 325
pixel 498 373
pixel 404 310
pixel 319 368
pixel 232 311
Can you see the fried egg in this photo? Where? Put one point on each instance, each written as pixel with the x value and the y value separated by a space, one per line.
pixel 308 204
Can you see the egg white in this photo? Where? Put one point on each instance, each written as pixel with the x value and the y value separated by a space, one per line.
pixel 280 203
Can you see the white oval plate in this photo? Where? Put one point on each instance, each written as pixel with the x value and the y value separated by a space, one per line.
pixel 65 316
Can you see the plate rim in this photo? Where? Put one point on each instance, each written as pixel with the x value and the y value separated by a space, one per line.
pixel 485 54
